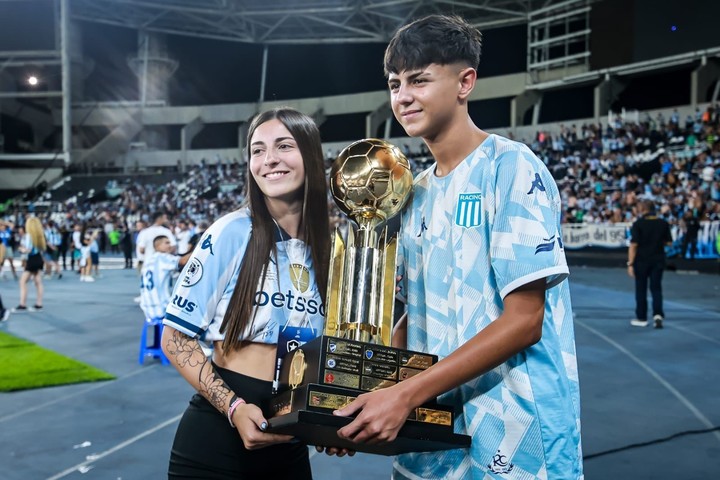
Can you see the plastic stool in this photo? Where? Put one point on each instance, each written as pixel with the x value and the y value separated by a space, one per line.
pixel 153 350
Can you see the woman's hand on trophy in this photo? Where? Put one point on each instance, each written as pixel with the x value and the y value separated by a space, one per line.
pixel 382 414
pixel 251 425
pixel 340 452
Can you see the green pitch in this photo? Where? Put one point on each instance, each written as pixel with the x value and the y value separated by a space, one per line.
pixel 25 365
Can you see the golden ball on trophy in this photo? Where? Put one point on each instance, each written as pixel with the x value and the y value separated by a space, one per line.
pixel 371 179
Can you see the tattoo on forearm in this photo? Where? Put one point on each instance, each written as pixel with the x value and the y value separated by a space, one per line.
pixel 187 352
pixel 213 387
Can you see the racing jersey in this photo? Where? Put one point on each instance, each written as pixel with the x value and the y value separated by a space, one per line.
pixel 288 296
pixel 155 281
pixel 469 239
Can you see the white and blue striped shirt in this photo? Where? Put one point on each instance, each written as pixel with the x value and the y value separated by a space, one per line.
pixel 155 283
pixel 469 239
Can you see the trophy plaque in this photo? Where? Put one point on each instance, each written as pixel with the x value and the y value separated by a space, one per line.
pixel 371 182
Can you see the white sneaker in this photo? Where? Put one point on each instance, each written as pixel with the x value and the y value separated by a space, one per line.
pixel 5 315
pixel 658 319
pixel 89 279
pixel 137 299
pixel 638 323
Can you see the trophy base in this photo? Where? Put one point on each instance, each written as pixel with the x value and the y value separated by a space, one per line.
pixel 317 428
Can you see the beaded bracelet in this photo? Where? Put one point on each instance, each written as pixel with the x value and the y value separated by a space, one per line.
pixel 233 405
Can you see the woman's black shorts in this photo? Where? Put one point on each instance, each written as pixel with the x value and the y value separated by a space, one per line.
pixel 207 447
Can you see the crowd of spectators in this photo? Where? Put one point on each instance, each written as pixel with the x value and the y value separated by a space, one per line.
pixel 601 170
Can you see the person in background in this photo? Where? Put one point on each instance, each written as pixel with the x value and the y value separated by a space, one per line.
pixel 77 244
pixel 646 261
pixel 158 227
pixel 86 257
pixel 65 239
pixel 182 233
pixel 4 312
pixel 195 238
pixel 155 281
pixel 33 245
pixel 95 251
pixel 53 238
pixel 126 244
pixel 8 240
pixel 114 238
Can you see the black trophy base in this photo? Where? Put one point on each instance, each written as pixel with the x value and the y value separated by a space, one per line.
pixel 316 428
pixel 306 413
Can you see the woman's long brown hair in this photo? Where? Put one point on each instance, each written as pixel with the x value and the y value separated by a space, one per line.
pixel 262 238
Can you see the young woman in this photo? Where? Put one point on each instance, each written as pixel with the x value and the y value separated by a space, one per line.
pixel 257 275
pixel 33 245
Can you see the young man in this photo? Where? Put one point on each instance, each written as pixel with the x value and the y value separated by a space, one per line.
pixel 483 270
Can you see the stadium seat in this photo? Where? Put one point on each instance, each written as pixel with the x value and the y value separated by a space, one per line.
pixel 152 350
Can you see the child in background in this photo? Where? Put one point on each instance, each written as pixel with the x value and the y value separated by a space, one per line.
pixel 86 260
pixel 155 281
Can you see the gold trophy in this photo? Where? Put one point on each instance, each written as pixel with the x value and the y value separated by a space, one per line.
pixel 371 182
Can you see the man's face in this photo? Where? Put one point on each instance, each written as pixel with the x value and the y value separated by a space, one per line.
pixel 425 100
pixel 163 245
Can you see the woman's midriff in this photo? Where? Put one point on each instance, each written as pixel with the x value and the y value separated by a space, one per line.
pixel 252 359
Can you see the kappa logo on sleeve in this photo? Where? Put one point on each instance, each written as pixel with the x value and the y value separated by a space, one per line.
pixel 537 183
pixel 207 243
pixel 193 274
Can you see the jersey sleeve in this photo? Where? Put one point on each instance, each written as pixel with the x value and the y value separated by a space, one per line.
pixel 526 237
pixel 169 262
pixel 140 242
pixel 207 275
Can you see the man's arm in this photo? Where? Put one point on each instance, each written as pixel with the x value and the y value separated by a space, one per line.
pixel 632 253
pixel 383 412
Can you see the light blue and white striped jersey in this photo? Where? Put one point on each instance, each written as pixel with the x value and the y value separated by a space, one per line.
pixel 53 237
pixel 155 281
pixel 467 240
pixel 206 284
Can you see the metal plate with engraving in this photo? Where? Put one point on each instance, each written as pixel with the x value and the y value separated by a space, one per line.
pixel 380 354
pixel 415 360
pixel 380 370
pixel 406 373
pixel 345 364
pixel 340 347
pixel 436 417
pixel 370 384
pixel 342 379
pixel 328 400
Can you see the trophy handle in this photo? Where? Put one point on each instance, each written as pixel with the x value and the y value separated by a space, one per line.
pixel 388 287
pixel 335 286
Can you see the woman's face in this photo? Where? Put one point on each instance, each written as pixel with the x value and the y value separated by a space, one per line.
pixel 276 163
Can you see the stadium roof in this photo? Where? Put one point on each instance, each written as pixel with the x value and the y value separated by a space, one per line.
pixel 297 21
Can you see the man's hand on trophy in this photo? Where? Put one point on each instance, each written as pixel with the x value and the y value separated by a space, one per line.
pixel 382 415
pixel 340 452
pixel 251 423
